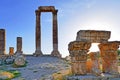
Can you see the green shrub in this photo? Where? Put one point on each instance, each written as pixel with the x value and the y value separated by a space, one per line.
pixel 118 51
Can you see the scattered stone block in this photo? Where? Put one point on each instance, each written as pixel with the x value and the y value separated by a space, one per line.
pixel 20 61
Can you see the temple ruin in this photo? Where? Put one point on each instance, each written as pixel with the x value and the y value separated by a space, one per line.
pixel 54 11
pixel 108 51
pixel 2 42
pixel 11 51
pixel 19 46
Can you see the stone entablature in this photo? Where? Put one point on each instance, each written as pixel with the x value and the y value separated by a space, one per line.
pixel 46 8
pixel 93 36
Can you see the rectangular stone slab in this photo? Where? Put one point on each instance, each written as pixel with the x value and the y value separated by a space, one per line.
pixel 47 8
pixel 93 36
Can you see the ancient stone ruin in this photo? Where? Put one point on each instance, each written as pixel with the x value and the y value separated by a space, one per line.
pixel 54 11
pixel 18 58
pixel 11 51
pixel 78 52
pixel 2 41
pixel 19 45
pixel 95 65
pixel 108 51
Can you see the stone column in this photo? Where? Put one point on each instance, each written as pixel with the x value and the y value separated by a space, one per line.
pixel 11 51
pixel 19 46
pixel 55 51
pixel 38 34
pixel 108 52
pixel 78 52
pixel 2 41
pixel 95 68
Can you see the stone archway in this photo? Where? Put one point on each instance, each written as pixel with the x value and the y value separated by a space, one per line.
pixel 54 11
pixel 108 51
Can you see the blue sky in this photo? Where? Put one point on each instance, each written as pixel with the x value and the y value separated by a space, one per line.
pixel 18 18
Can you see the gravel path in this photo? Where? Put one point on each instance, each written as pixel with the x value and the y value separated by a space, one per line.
pixel 40 67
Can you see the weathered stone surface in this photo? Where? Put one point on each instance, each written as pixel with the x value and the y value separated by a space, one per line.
pixel 38 51
pixel 19 45
pixel 52 9
pixel 56 53
pixel 79 45
pixel 95 69
pixel 79 55
pixel 20 61
pixel 93 36
pixel 2 41
pixel 109 54
pixel 46 9
pixel 78 52
pixel 11 51
pixel 68 58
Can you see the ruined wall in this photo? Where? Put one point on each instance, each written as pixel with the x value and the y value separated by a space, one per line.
pixel 108 52
pixel 78 52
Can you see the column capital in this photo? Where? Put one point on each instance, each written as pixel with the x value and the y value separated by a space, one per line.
pixel 37 12
pixel 55 12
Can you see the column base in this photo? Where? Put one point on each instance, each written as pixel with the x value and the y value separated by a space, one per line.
pixel 38 53
pixel 56 53
pixel 18 53
pixel 2 52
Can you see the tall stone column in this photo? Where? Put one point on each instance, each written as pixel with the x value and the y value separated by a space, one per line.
pixel 19 46
pixel 78 52
pixel 2 41
pixel 38 51
pixel 108 52
pixel 55 51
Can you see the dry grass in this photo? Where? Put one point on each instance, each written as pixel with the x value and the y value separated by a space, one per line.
pixel 7 74
pixel 61 74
